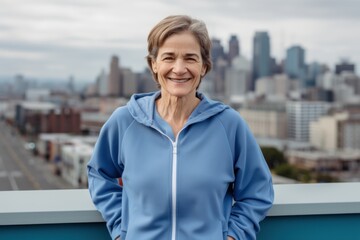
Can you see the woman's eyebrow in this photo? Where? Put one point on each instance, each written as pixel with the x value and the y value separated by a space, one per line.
pixel 192 55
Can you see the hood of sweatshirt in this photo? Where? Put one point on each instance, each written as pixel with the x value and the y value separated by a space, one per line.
pixel 141 107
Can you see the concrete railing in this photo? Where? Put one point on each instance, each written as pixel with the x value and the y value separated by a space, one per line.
pixel 300 211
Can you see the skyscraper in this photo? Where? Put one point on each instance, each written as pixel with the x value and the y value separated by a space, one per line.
pixel 216 77
pixel 261 57
pixel 217 50
pixel 234 48
pixel 102 83
pixel 115 79
pixel 237 77
pixel 344 65
pixel 314 70
pixel 295 64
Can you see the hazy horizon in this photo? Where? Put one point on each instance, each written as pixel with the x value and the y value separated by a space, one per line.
pixel 61 38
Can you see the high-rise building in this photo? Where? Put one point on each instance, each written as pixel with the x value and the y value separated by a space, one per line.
pixel 300 114
pixel 344 66
pixel 146 82
pixel 261 57
pixel 234 48
pixel 314 71
pixel 295 66
pixel 275 87
pixel 237 77
pixel 130 82
pixel 115 79
pixel 102 83
pixel 352 80
pixel 216 77
pixel 217 50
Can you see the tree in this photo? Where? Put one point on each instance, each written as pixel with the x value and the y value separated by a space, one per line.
pixel 273 157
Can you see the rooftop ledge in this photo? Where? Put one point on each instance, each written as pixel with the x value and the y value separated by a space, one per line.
pixel 75 206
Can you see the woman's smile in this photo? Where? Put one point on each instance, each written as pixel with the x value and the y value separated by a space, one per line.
pixel 179 80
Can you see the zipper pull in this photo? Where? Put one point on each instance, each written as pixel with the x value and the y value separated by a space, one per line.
pixel 174 148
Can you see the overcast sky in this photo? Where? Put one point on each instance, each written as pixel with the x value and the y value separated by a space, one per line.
pixel 59 38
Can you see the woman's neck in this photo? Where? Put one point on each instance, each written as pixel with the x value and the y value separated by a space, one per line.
pixel 176 110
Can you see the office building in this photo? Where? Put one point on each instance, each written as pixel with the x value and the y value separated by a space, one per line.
pixel 338 132
pixel 344 66
pixel 314 71
pixel 300 115
pixel 237 77
pixel 266 120
pixel 102 83
pixel 261 57
pixel 217 50
pixel 115 86
pixel 234 48
pixel 274 87
pixel 130 85
pixel 295 66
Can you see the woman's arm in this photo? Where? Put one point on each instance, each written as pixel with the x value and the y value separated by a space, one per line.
pixel 252 190
pixel 104 169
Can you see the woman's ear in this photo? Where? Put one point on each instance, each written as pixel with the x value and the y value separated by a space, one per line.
pixel 154 66
pixel 203 71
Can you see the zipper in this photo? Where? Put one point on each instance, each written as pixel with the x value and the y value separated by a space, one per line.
pixel 173 186
pixel 173 180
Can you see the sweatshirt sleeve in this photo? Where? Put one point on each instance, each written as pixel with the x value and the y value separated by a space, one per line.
pixel 252 190
pixel 104 169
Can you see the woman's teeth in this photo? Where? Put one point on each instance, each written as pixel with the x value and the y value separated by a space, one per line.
pixel 179 80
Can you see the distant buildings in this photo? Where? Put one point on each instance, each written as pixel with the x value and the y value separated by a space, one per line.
pixel 237 77
pixel 261 57
pixel 344 66
pixel 33 118
pixel 69 155
pixel 340 131
pixel 266 120
pixel 121 82
pixel 234 48
pixel 299 116
pixel 342 165
pixel 115 81
pixel 285 102
pixel 295 66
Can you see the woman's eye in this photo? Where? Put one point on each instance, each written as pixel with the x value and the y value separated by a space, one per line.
pixel 191 60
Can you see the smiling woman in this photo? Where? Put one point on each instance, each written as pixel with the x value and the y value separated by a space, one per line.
pixel 179 66
pixel 196 171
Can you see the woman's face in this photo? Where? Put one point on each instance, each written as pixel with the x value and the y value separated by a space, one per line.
pixel 179 65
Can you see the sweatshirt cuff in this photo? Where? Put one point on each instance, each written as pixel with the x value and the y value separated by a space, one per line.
pixel 116 232
pixel 232 233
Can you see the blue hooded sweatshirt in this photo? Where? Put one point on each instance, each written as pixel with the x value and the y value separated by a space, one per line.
pixel 208 182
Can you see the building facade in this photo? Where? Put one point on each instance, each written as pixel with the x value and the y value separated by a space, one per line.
pixel 261 57
pixel 266 120
pixel 300 114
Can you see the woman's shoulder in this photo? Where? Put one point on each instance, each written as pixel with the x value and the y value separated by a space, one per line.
pixel 120 117
pixel 230 114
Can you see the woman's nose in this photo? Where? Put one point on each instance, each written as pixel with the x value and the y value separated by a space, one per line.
pixel 179 67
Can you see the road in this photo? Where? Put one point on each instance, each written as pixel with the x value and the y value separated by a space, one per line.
pixel 20 169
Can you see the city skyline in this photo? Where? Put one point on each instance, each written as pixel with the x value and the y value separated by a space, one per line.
pixel 63 38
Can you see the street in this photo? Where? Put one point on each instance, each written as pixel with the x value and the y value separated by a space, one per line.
pixel 20 169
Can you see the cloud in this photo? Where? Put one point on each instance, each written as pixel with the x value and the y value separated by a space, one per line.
pixel 17 54
pixel 81 36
